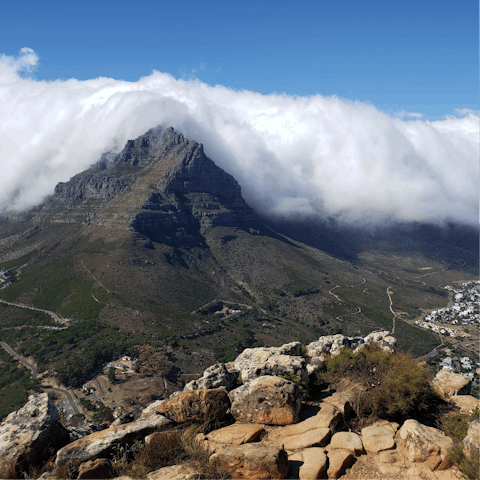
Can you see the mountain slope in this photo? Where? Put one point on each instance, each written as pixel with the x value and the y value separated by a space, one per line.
pixel 157 244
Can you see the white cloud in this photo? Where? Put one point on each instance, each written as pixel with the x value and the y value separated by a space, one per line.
pixel 405 114
pixel 292 154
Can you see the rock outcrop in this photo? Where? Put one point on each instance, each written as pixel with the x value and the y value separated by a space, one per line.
pixel 471 443
pixel 449 383
pixel 196 406
pixel 29 436
pixel 266 400
pixel 420 443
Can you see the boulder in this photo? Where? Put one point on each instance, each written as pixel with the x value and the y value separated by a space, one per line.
pixel 471 443
pixel 383 339
pixel 276 361
pixel 308 464
pixel 29 436
pixel 420 443
pixel 376 439
pixel 447 383
pixel 266 400
pixel 342 402
pixel 466 403
pixel 215 376
pixel 328 344
pixel 99 468
pixel 236 434
pixel 348 441
pixel 338 461
pixel 173 472
pixel 252 460
pixel 196 406
pixel 101 444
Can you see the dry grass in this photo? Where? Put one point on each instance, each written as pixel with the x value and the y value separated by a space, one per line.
pixel 168 447
pixel 7 468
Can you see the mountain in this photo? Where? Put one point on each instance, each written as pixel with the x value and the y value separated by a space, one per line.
pixel 156 245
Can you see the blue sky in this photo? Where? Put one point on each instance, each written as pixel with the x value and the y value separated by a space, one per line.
pixel 418 56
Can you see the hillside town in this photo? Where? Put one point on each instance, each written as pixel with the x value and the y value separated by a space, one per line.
pixel 463 312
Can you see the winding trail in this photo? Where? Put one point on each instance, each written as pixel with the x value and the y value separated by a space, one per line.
pixel 333 295
pixel 391 309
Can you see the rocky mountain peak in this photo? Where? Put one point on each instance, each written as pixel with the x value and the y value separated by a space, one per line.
pixel 160 182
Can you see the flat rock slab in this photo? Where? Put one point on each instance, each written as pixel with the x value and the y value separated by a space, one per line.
pixel 376 439
pixel 179 472
pixel 99 443
pixel 252 461
pixel 348 441
pixel 466 403
pixel 311 463
pixel 318 421
pixel 236 434
pixel 339 461
pixel 313 438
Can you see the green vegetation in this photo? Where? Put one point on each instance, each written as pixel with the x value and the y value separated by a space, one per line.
pixel 456 427
pixel 394 385
pixel 15 382
pixel 111 375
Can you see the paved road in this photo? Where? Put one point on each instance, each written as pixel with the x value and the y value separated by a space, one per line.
pixel 48 312
pixel 70 399
pixel 10 351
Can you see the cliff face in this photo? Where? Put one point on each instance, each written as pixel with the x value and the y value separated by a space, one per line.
pixel 160 183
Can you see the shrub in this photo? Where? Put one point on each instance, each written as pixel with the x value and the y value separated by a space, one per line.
pixel 395 386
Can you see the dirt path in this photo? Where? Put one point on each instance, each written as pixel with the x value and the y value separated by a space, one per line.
pixel 96 279
pixel 391 309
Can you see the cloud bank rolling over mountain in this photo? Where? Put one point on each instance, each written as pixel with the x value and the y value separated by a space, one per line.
pixel 293 155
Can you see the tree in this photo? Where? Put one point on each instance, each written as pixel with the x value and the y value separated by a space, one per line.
pixel 111 375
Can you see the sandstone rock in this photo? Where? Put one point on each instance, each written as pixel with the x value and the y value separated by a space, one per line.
pixel 449 383
pixel 215 376
pixel 29 435
pixel 322 419
pixel 339 461
pixel 348 441
pixel 150 409
pixel 195 406
pixel 312 438
pixel 99 468
pixel 424 444
pixel 236 434
pixel 266 400
pixel 341 401
pixel 390 462
pixel 471 443
pixel 102 443
pixel 393 426
pixel 173 472
pixel 285 360
pixel 252 460
pixel 466 403
pixel 376 439
pixel 308 464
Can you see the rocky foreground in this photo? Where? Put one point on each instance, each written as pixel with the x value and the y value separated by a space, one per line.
pixel 274 434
